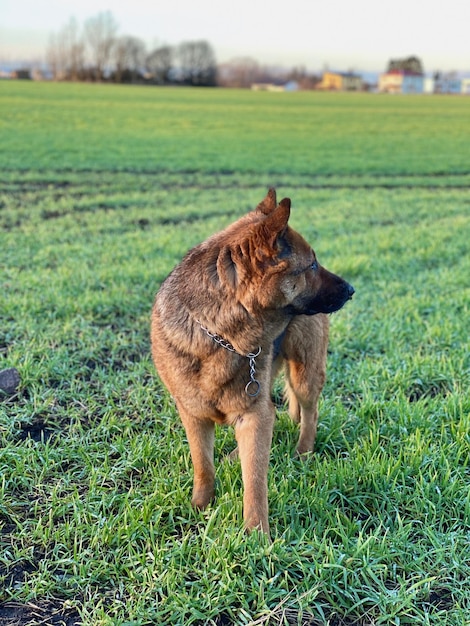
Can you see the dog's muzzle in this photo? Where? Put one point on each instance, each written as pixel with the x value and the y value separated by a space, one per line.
pixel 351 291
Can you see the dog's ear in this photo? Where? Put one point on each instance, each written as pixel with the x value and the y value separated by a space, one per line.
pixel 268 205
pixel 226 268
pixel 275 224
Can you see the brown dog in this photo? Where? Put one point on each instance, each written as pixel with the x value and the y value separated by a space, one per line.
pixel 240 305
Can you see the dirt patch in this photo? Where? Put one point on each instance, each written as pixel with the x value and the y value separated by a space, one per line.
pixel 427 389
pixel 44 612
pixel 37 431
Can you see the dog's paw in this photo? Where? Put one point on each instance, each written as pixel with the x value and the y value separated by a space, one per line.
pixel 302 454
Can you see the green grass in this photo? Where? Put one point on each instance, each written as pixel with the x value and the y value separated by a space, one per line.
pixel 103 189
pixel 102 127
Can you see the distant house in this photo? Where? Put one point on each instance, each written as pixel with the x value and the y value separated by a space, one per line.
pixel 401 81
pixel 21 74
pixel 412 83
pixel 291 85
pixel 429 85
pixel 267 87
pixel 391 82
pixel 340 81
pixel 443 84
pixel 466 86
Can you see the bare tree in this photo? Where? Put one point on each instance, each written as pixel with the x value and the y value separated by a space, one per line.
pixel 66 53
pixel 240 72
pixel 129 57
pixel 54 57
pixel 100 33
pixel 76 49
pixel 197 63
pixel 160 63
pixel 99 54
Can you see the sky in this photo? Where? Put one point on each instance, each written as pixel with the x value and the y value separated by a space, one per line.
pixel 360 35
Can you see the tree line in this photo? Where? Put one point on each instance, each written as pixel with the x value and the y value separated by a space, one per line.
pixel 97 53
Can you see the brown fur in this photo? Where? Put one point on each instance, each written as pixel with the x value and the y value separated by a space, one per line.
pixel 251 284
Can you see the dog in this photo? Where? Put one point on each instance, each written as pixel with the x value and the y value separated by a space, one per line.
pixel 246 302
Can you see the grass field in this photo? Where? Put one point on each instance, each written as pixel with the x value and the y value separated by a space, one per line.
pixel 102 190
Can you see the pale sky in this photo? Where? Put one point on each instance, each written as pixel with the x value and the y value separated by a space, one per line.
pixel 339 34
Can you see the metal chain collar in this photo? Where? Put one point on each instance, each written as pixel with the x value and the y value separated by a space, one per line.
pixel 253 386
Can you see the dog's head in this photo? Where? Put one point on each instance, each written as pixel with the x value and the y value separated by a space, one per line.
pixel 269 265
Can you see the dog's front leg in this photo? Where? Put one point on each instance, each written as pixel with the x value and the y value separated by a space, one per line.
pixel 200 434
pixel 254 432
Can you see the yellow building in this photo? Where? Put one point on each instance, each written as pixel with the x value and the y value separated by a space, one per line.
pixel 391 82
pixel 340 81
pixel 401 81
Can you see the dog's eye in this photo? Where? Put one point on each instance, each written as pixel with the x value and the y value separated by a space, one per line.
pixel 314 266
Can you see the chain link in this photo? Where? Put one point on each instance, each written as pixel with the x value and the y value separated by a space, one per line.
pixel 253 386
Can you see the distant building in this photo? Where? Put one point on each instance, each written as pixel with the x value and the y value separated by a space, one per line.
pixel 412 83
pixel 429 85
pixel 21 74
pixel 401 81
pixel 391 82
pixel 447 84
pixel 466 86
pixel 291 85
pixel 340 81
pixel 267 87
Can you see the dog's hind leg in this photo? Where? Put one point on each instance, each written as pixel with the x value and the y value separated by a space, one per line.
pixel 304 352
pixel 303 391
pixel 201 435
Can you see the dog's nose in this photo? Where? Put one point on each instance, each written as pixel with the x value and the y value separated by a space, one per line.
pixel 351 291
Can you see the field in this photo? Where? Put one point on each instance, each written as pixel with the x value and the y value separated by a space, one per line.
pixel 102 190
